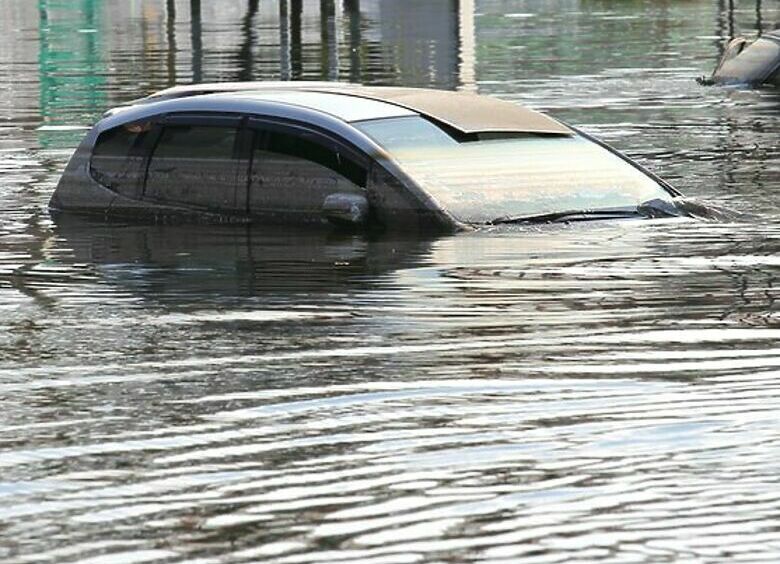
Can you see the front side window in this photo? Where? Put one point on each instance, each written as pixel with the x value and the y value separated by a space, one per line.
pixel 195 165
pixel 485 179
pixel 293 173
pixel 319 152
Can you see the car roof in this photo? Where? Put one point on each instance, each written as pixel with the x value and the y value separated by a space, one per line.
pixel 465 112
pixel 346 108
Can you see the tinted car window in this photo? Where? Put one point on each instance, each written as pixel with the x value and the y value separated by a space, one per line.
pixel 310 150
pixel 117 159
pixel 194 165
pixel 293 174
pixel 196 142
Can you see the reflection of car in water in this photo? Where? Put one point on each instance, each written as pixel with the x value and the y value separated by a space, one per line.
pixel 350 155
pixel 748 63
pixel 173 261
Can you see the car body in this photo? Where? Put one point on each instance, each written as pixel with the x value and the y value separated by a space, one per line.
pixel 749 63
pixel 350 155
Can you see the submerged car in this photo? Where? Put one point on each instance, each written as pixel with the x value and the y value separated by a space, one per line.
pixel 350 155
pixel 749 63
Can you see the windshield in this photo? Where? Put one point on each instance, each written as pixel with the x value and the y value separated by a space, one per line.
pixel 485 179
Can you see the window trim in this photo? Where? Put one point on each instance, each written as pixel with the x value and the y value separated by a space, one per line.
pixel 201 119
pixel 308 132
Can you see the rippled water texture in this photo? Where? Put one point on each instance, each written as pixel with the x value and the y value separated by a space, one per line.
pixel 557 394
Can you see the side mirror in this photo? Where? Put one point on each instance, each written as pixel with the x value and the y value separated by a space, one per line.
pixel 346 210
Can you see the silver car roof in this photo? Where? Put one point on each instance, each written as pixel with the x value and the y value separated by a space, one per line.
pixel 466 112
pixel 347 108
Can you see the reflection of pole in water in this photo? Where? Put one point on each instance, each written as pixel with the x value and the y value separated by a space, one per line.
pixel 284 40
pixel 92 50
pixel 352 10
pixel 196 30
pixel 759 20
pixel 296 47
pixel 467 58
pixel 329 40
pixel 71 70
pixel 245 58
pixel 731 19
pixel 170 35
pixel 721 28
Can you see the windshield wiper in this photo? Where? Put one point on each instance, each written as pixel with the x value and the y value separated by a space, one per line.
pixel 569 215
pixel 650 209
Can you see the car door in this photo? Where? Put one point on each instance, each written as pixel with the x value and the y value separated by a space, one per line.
pixel 294 169
pixel 195 164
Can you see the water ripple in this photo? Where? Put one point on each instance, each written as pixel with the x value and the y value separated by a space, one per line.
pixel 586 392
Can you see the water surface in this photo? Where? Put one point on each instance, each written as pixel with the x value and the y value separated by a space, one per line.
pixel 597 391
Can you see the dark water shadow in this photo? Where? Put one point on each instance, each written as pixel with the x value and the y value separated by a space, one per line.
pixel 163 262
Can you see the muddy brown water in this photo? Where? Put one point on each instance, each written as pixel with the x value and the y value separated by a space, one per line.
pixel 598 391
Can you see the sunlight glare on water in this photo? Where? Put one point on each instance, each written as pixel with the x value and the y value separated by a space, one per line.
pixel 601 391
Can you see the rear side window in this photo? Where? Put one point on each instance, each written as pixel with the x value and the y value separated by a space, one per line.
pixel 117 158
pixel 195 165
pixel 196 142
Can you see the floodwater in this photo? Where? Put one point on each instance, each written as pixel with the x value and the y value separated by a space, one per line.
pixel 598 391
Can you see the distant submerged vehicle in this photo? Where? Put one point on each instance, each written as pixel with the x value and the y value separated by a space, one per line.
pixel 350 155
pixel 747 63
